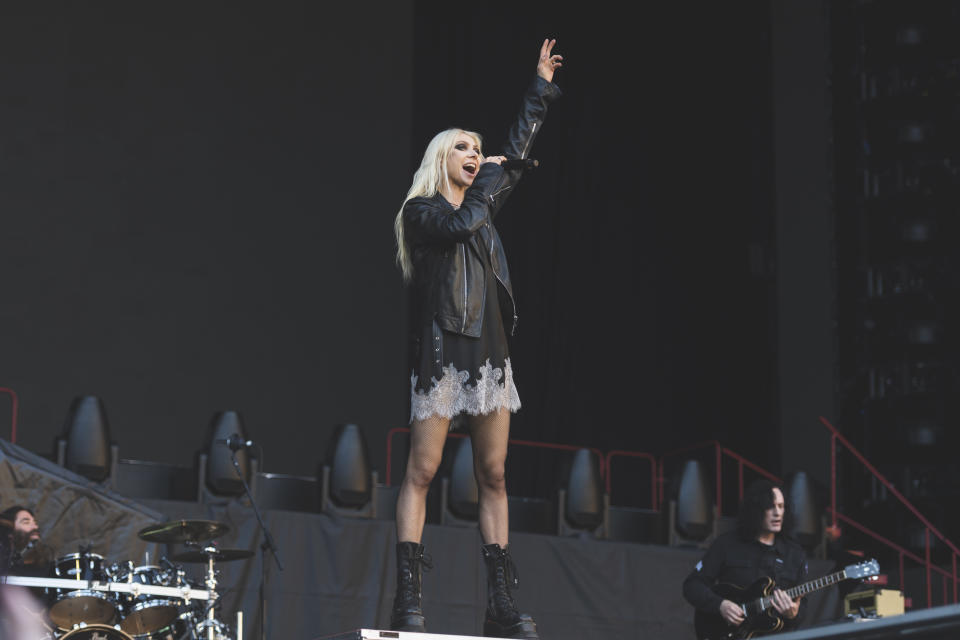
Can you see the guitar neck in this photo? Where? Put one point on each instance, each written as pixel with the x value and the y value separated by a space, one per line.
pixel 816 585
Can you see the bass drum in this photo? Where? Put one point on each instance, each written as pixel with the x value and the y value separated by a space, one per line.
pixel 95 632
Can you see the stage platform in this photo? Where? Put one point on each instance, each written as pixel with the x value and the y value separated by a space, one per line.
pixel 379 634
pixel 339 575
pixel 937 623
pixel 338 572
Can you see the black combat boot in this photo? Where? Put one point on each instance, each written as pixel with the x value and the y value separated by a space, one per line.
pixel 407 615
pixel 502 619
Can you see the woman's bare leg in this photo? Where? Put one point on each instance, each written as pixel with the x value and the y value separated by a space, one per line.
pixel 427 438
pixel 489 434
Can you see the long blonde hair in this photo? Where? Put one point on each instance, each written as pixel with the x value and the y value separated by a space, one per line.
pixel 427 181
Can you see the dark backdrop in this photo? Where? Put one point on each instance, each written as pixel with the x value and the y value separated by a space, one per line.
pixel 198 201
pixel 641 247
pixel 196 217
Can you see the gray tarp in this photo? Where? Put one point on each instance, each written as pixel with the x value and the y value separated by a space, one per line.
pixel 73 511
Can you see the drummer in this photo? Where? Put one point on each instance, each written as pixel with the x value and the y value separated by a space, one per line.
pixel 23 550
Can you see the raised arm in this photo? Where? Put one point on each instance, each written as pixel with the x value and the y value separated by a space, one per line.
pixel 525 128
pixel 533 108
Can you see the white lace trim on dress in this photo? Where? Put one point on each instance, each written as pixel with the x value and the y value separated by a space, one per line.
pixel 452 395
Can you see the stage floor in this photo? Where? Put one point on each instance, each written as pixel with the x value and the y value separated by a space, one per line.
pixel 378 634
pixel 937 623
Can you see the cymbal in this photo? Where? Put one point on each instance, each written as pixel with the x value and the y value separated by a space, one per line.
pixel 219 555
pixel 183 531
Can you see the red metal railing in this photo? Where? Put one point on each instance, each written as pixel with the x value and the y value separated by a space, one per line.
pixel 835 438
pixel 719 452
pixel 518 443
pixel 634 454
pixel 14 408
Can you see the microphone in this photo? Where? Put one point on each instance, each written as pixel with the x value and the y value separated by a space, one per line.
pixel 520 163
pixel 235 442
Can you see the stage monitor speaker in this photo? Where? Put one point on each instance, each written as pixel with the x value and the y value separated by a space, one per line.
pixel 347 481
pixel 694 507
pixel 349 463
pixel 806 514
pixel 85 448
pixel 582 504
pixel 221 477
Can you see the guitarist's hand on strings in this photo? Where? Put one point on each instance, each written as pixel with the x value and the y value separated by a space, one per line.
pixel 732 613
pixel 784 605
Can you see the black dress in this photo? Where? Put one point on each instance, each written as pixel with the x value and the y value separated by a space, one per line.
pixel 477 377
pixel 456 374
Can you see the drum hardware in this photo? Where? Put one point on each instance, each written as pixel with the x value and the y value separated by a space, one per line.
pixel 192 533
pixel 124 601
pixel 221 555
pixel 188 601
pixel 184 592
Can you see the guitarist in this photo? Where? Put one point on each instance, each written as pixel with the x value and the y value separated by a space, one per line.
pixel 757 548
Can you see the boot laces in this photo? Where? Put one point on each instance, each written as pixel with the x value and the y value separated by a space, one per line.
pixel 409 585
pixel 511 574
pixel 507 577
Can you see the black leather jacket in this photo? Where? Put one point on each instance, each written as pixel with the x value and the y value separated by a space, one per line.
pixel 447 244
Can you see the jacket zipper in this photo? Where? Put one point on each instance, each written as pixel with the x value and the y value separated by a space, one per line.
pixel 496 275
pixel 526 147
pixel 492 197
pixel 463 325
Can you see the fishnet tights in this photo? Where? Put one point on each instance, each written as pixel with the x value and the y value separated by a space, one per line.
pixel 489 434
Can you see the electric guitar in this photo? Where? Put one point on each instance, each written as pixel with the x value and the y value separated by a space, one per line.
pixel 757 604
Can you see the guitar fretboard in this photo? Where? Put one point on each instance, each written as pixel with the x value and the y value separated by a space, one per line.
pixel 814 585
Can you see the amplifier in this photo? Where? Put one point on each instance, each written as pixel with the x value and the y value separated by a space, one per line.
pixel 874 603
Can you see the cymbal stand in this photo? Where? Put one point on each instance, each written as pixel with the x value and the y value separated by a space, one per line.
pixel 211 583
pixel 214 628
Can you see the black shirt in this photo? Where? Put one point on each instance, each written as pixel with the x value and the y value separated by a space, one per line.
pixel 733 560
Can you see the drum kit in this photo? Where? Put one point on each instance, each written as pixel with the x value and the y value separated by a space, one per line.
pixel 88 599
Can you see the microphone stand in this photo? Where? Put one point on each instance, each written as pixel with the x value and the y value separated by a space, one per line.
pixel 266 544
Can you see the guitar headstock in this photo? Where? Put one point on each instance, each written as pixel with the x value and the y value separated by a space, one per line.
pixel 864 569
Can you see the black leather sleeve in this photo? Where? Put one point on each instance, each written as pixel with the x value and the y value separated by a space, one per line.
pixel 522 133
pixel 533 110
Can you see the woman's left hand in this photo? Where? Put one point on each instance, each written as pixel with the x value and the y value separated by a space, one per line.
pixel 548 63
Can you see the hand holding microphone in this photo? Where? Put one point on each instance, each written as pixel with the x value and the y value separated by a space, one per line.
pixel 511 164
pixel 520 163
